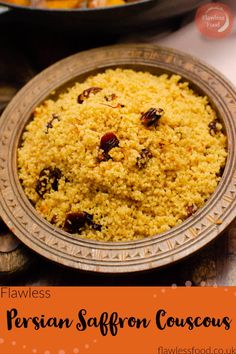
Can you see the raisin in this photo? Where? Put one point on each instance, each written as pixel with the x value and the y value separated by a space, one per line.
pixel 55 176
pixel 75 222
pixel 48 179
pixel 142 160
pixel 152 116
pixel 86 93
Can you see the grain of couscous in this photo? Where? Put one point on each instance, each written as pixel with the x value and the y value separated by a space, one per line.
pixel 122 156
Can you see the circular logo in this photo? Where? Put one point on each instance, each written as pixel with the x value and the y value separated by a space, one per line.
pixel 214 20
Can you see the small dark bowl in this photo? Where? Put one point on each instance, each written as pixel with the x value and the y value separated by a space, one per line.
pixel 107 20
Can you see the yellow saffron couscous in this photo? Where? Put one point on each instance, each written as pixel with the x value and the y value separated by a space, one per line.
pixel 122 156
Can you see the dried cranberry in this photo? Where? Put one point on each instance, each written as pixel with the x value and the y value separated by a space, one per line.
pixel 142 160
pixel 86 93
pixel 108 142
pixel 48 179
pixel 152 116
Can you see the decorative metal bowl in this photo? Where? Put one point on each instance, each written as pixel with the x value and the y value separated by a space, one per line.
pixel 73 251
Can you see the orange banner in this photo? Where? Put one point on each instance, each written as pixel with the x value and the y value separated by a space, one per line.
pixel 117 320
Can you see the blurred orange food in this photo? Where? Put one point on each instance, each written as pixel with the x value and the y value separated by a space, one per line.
pixel 66 4
pixel 59 4
pixel 103 3
pixel 19 2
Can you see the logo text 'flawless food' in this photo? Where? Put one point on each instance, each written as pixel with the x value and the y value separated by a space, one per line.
pixel 214 20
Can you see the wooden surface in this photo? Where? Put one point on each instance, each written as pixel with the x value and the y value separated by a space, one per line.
pixel 215 265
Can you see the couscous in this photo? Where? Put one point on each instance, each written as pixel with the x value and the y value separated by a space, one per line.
pixel 122 156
